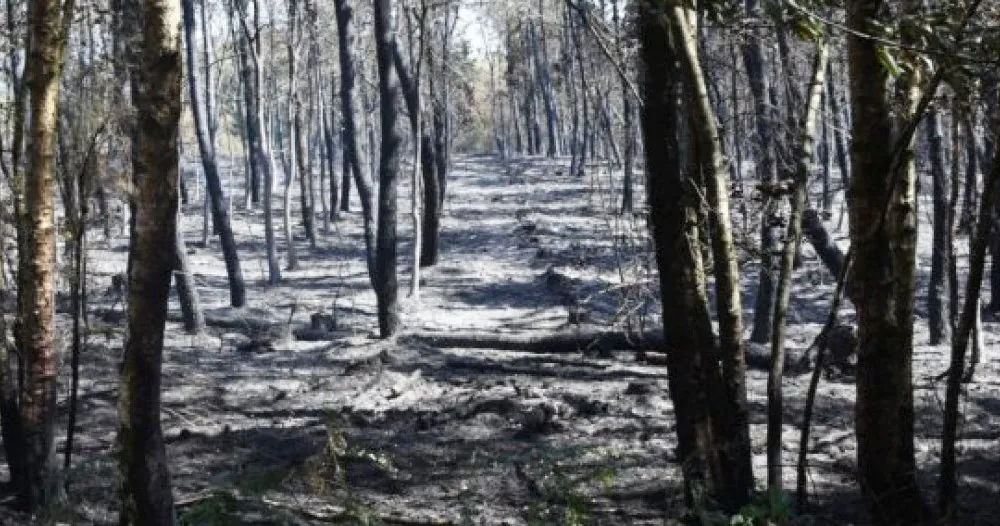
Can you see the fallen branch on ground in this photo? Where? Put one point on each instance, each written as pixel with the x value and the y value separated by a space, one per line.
pixel 649 344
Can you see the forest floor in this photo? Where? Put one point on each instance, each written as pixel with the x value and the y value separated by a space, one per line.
pixel 265 429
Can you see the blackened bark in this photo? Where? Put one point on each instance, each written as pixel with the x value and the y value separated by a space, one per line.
pixel 250 123
pixel 733 423
pixel 220 216
pixel 948 503
pixel 837 115
pixel 386 285
pixel 187 291
pixel 710 453
pixel 291 158
pixel 299 137
pixel 329 161
pixel 349 112
pixel 628 162
pixel 760 89
pixel 439 117
pixel 145 477
pixel 541 61
pixel 346 171
pixel 253 76
pixel 970 200
pixel 936 315
pixel 885 274
pixel 990 93
pixel 430 249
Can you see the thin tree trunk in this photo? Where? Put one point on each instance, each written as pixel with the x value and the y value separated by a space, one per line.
pixel 346 171
pixel 386 286
pixel 542 69
pixel 628 199
pixel 936 316
pixel 951 223
pixel 826 158
pixel 349 112
pixel 840 139
pixel 206 145
pixel 187 291
pixel 948 501
pixel 793 239
pixel 292 151
pixel 760 89
pixel 432 205
pixel 736 425
pixel 411 91
pixel 254 77
pixel 78 300
pixel 970 200
pixel 330 156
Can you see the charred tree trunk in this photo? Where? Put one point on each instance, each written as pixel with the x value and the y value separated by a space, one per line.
pixel 884 241
pixel 206 145
pixel 542 69
pixel 253 76
pixel 936 315
pixel 837 115
pixel 760 88
pixel 432 206
pixel 735 425
pixel 291 158
pixel 948 503
pixel 145 477
pixel 349 112
pixel 36 484
pixel 187 292
pixel 990 90
pixel 386 286
pixel 329 158
pixel 713 454
pixel 628 199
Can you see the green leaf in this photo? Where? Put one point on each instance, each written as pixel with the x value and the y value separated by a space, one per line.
pixel 889 62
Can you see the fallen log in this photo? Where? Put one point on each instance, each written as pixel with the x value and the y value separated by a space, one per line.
pixel 828 251
pixel 584 340
pixel 649 345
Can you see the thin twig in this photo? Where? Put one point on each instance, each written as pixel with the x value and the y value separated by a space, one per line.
pixel 831 321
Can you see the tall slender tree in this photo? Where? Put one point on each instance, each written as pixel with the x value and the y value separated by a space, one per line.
pixel 349 114
pixel 705 378
pixel 252 71
pixel 145 477
pixel 386 285
pixel 761 91
pixel 206 146
pixel 34 474
pixel 793 238
pixel 883 225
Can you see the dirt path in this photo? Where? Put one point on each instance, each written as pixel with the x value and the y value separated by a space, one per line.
pixel 354 429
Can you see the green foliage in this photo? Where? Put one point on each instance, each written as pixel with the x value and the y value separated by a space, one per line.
pixel 809 28
pixel 887 59
pixel 774 508
pixel 216 510
pixel 261 480
pixel 564 485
